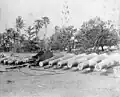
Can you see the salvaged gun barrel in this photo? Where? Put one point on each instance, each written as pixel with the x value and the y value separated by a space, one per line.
pixel 54 62
pixel 2 55
pixel 97 59
pixel 65 62
pixel 85 63
pixel 35 57
pixel 46 62
pixel 74 63
pixel 116 71
pixel 2 60
pixel 41 57
pixel 108 62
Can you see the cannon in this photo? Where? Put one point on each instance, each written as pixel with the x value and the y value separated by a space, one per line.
pixel 108 62
pixel 74 63
pixel 40 57
pixel 66 62
pixel 46 62
pixel 54 62
pixel 85 62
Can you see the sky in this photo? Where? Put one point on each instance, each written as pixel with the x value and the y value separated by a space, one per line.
pixel 80 11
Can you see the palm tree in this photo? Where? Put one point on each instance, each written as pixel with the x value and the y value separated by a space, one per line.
pixel 29 33
pixel 19 26
pixel 46 21
pixel 38 26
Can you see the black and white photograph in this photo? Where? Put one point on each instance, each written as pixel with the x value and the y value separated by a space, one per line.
pixel 59 48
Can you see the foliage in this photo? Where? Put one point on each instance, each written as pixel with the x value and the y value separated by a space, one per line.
pixel 97 33
pixel 94 33
pixel 30 46
pixel 46 21
pixel 19 23
pixel 61 38
pixel 29 33
pixel 38 25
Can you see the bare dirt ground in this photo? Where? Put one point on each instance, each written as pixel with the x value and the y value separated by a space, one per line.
pixel 62 83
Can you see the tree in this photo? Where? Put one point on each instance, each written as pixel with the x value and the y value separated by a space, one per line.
pixel 55 42
pixel 97 33
pixel 61 38
pixel 29 40
pixel 38 26
pixel 67 34
pixel 4 41
pixel 65 14
pixel 46 21
pixel 14 36
pixel 29 33
pixel 30 46
pixel 19 26
pixel 9 37
pixel 22 39
pixel 57 29
pixel 1 39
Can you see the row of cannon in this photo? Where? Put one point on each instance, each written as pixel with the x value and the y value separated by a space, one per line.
pixel 82 61
pixel 10 60
pixel 15 59
pixel 92 61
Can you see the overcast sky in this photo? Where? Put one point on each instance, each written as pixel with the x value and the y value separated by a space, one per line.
pixel 80 10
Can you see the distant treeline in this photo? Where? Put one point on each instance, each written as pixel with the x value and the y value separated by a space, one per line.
pixel 94 33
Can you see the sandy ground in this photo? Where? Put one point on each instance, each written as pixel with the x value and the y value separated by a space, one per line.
pixel 57 83
pixel 64 83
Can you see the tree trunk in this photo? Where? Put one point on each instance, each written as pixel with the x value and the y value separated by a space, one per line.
pixel 45 35
pixel 14 46
pixel 19 42
pixel 102 48
pixel 45 31
pixel 69 47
